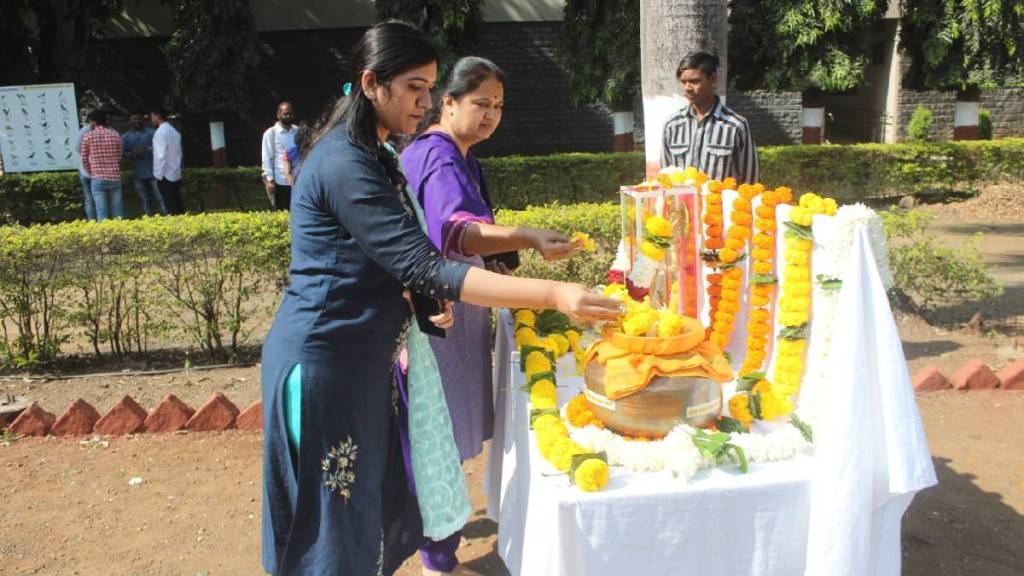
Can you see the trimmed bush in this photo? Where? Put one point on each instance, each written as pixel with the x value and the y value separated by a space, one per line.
pixel 848 173
pixel 984 125
pixel 124 282
pixel 919 129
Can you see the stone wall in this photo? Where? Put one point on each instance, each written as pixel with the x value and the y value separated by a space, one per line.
pixel 1007 111
pixel 942 105
pixel 775 117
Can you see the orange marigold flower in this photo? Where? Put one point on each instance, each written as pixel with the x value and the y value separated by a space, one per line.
pixel 762 289
pixel 762 240
pixel 735 244
pixel 784 194
pixel 714 230
pixel 729 183
pixel 761 254
pixel 715 290
pixel 762 267
pixel 713 199
pixel 742 205
pixel 713 243
pixel 763 211
pixel 759 300
pixel 715 277
pixel 741 218
pixel 760 316
pixel 765 224
pixel 737 233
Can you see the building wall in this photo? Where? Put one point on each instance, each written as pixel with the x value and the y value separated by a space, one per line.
pixel 308 68
pixel 942 105
pixel 1007 111
pixel 775 117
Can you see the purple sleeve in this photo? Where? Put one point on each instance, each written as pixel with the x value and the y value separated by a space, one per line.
pixel 451 202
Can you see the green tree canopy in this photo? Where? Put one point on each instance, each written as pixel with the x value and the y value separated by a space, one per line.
pixel 801 44
pixel 956 44
pixel 453 25
pixel 601 44
pixel 211 54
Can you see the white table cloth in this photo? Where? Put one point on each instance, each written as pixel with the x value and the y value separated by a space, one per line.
pixel 721 522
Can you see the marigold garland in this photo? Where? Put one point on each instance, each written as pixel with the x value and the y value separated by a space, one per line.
pixel 762 284
pixel 589 472
pixel 795 302
pixel 736 239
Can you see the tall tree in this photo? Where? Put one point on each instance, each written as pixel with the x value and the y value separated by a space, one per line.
pixel 960 44
pixel 453 25
pixel 601 42
pixel 211 55
pixel 669 29
pixel 50 40
pixel 801 44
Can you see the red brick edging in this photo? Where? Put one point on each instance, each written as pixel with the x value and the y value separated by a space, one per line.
pixel 975 375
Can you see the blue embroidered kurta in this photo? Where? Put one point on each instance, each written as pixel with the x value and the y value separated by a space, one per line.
pixel 354 243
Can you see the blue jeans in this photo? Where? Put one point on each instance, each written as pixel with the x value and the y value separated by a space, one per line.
pixel 106 194
pixel 150 197
pixel 90 208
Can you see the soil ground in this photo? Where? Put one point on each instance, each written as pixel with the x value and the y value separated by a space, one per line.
pixel 68 508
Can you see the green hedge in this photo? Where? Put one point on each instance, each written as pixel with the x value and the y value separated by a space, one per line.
pixel 849 173
pixel 206 280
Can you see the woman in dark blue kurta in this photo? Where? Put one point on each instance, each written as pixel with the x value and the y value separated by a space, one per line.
pixel 335 497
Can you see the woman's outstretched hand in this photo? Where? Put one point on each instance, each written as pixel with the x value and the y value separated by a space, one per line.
pixel 551 245
pixel 582 305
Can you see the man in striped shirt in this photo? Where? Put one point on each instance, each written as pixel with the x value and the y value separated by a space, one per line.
pixel 708 134
pixel 101 159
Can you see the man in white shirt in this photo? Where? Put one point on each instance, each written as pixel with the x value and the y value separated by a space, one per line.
pixel 276 142
pixel 167 161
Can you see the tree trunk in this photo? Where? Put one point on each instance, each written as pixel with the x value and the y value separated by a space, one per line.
pixel 670 29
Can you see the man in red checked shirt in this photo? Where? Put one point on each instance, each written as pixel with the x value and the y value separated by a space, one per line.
pixel 101 158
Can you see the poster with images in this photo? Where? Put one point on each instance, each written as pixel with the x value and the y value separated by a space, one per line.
pixel 38 127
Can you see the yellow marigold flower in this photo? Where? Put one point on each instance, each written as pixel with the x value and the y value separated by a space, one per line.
pixel 730 283
pixel 584 241
pixel 728 255
pixel 714 198
pixel 550 345
pixel 729 306
pixel 669 323
pixel 760 316
pixel 762 289
pixel 796 273
pixel 762 240
pixel 798 288
pixel 798 258
pixel 762 267
pixel 792 347
pixel 573 337
pixel 761 254
pixel 739 408
pixel 730 293
pixel 613 290
pixel 652 251
pixel 536 363
pixel 756 342
pixel 729 183
pixel 830 207
pixel 766 224
pixel 658 226
pixel 591 475
pixel 725 316
pixel 759 328
pixel 562 342
pixel 637 325
pixel 806 199
pixel 793 318
pixel 714 186
pixel 525 335
pixel 757 300
pixel 526 317
pixel 738 232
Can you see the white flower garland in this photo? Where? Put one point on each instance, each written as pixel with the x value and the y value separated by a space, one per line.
pixel 676 453
pixel 848 219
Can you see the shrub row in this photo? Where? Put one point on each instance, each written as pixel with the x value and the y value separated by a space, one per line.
pixel 206 280
pixel 849 173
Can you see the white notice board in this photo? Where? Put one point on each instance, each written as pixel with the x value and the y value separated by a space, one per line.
pixel 38 127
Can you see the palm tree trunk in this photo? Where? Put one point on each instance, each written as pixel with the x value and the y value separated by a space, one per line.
pixel 670 29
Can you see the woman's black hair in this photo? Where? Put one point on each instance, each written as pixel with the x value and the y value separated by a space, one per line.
pixel 466 76
pixel 387 50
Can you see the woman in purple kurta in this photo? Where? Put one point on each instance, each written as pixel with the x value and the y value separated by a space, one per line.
pixel 460 222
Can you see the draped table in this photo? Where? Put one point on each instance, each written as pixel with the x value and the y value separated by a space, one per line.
pixel 834 509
